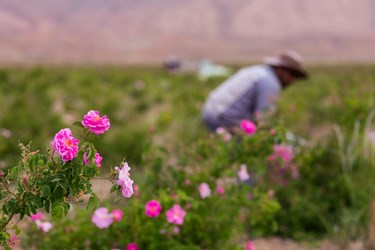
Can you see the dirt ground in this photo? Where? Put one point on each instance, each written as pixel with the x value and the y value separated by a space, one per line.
pixel 284 244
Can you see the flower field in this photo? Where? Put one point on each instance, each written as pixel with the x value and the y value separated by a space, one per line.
pixel 307 172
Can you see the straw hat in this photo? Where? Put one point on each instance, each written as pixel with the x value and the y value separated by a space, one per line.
pixel 289 60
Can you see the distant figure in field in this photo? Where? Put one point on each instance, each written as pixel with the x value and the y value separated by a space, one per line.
pixel 172 64
pixel 251 91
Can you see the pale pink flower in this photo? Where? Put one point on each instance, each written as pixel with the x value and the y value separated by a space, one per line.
pixel 13 240
pixel 96 124
pixel 243 174
pixel 204 190
pixel 294 170
pixel 44 226
pixel 153 208
pixel 102 218
pixel 176 230
pixel 224 134
pixel 220 130
pixel 219 189
pixel 132 246
pixel 282 151
pixel 97 159
pixel 1 174
pixel 249 245
pixel 117 215
pixel 371 136
pixel 37 216
pixel 65 144
pixel 272 131
pixel 248 127
pixel 176 215
pixel 125 182
pixel 271 193
pixel 136 190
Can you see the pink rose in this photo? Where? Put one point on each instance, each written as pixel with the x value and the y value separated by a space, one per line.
pixel 101 218
pixel 97 159
pixel 125 182
pixel 117 215
pixel 65 144
pixel 176 215
pixel 96 124
pixel 13 241
pixel 219 189
pixel 249 245
pixel 282 151
pixel 132 246
pixel 153 208
pixel 204 190
pixel 248 127
pixel 37 216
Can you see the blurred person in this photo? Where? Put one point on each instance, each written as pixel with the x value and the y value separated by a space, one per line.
pixel 172 64
pixel 251 91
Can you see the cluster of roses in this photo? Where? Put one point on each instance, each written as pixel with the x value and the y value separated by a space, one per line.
pixel 67 146
pixel 44 226
pixel 282 154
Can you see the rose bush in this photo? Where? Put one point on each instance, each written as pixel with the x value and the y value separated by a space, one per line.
pixel 53 182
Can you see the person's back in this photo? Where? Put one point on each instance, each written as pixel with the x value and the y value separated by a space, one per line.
pixel 249 91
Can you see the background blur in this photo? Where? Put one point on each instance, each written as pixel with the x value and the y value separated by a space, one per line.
pixel 147 31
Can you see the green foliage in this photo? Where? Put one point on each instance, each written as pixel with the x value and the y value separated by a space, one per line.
pixel 156 120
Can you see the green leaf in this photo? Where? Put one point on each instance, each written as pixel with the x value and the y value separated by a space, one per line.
pixel 93 202
pixel 47 205
pixel 59 192
pixel 89 171
pixel 14 172
pixel 78 124
pixel 46 191
pixel 32 209
pixel 114 188
pixel 59 210
pixel 38 202
pixel 22 214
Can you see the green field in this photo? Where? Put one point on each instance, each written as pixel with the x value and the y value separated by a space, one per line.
pixel 156 124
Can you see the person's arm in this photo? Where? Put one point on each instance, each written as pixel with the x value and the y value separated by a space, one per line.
pixel 265 96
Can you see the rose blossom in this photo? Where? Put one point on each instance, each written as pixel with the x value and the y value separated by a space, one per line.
pixel 243 174
pixel 37 216
pixel 249 245
pixel 153 208
pixel 44 226
pixel 13 241
pixel 117 215
pixel 65 144
pixel 101 218
pixel 96 124
pixel 132 246
pixel 125 182
pixel 282 151
pixel 97 159
pixel 219 189
pixel 248 127
pixel 204 190
pixel 176 215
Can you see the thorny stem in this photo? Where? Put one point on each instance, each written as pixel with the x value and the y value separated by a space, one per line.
pixel 6 223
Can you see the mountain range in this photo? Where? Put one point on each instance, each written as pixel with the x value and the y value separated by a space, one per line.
pixel 148 31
